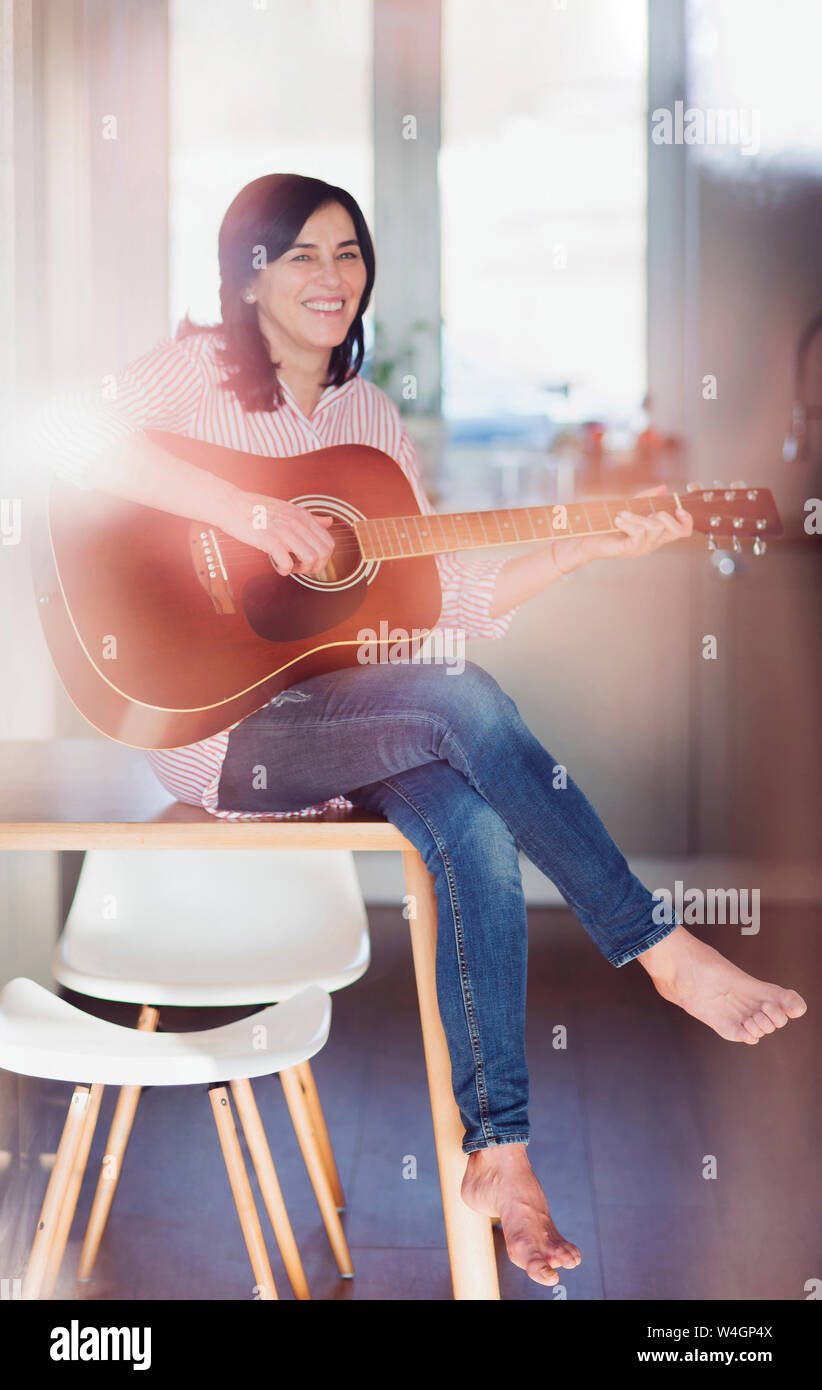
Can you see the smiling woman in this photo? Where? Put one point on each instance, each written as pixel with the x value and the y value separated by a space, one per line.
pixel 310 297
pixel 277 293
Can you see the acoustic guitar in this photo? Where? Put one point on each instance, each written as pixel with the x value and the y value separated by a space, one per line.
pixel 165 631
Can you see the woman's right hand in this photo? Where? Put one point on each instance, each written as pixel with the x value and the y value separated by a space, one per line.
pixel 297 540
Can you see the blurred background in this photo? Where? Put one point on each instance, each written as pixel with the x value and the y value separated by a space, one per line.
pixel 565 307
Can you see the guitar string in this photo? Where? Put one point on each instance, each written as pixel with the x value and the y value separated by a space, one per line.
pixel 231 546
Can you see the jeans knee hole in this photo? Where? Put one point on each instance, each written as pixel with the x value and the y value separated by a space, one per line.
pixel 294 697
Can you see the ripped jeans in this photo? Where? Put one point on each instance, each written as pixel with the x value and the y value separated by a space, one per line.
pixel 450 762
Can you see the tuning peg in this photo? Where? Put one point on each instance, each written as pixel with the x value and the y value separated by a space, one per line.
pixel 712 542
pixel 735 542
pixel 694 487
pixel 738 484
pixel 759 546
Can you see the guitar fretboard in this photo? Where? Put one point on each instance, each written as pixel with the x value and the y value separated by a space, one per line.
pixel 403 537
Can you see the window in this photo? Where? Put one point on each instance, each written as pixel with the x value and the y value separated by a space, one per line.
pixel 543 188
pixel 756 70
pixel 260 88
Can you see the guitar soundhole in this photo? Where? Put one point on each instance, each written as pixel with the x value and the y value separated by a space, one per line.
pixel 286 608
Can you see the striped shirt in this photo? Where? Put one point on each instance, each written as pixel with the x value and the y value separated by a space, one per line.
pixel 176 387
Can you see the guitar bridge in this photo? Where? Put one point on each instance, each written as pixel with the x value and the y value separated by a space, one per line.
pixel 210 568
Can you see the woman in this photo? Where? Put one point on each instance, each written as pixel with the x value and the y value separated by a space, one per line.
pixel 447 760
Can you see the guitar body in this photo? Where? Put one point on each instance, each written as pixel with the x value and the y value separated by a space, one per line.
pixel 165 631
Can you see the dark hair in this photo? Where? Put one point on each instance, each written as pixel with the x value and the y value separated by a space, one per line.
pixel 269 213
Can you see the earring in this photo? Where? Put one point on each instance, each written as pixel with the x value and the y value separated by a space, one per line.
pixel 248 297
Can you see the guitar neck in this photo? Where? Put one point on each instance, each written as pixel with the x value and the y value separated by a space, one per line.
pixel 407 537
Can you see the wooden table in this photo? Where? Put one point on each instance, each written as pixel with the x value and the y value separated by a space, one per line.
pixel 79 794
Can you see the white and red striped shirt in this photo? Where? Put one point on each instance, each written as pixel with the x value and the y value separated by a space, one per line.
pixel 176 387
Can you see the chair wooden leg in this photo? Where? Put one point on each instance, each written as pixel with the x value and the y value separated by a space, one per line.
pixel 469 1235
pixel 269 1185
pixel 243 1196
pixel 118 1137
pixel 306 1076
pixel 56 1192
pixel 69 1206
pixel 301 1119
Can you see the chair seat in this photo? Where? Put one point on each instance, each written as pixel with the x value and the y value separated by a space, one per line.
pixel 194 928
pixel 42 1035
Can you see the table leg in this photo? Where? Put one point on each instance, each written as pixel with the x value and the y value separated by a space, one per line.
pixel 469 1235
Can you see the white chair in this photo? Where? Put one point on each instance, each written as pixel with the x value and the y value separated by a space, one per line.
pixel 233 927
pixel 44 1036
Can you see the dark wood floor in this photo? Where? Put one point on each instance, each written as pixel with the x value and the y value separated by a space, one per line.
pixel 623 1121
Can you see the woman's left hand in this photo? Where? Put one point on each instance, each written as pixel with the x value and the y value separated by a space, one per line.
pixel 643 535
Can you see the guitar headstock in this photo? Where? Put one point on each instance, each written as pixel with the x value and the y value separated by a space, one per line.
pixel 735 511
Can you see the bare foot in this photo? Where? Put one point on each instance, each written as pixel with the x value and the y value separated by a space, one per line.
pixel 499 1182
pixel 738 1007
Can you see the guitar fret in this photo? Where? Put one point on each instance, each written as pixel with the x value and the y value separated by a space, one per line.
pixel 569 529
pixel 382 537
pixel 393 520
pixel 424 544
pixel 388 544
pixel 385 539
pixel 598 519
pixel 438 533
pixel 372 539
pixel 403 535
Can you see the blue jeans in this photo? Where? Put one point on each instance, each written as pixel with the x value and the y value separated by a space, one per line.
pixel 448 760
